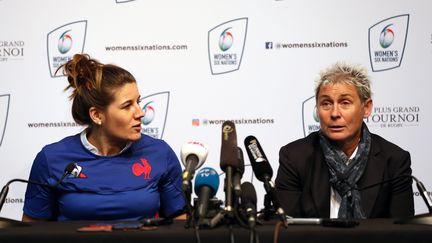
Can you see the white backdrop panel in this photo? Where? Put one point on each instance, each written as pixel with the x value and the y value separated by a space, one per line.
pixel 273 79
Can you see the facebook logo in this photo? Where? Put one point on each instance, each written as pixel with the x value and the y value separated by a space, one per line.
pixel 269 45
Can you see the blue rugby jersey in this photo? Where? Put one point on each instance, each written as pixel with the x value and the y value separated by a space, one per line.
pixel 135 184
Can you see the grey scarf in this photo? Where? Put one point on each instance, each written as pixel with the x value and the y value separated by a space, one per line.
pixel 343 177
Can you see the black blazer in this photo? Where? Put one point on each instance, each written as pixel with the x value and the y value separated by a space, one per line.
pixel 303 184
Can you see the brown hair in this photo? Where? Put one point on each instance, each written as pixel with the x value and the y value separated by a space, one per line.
pixel 92 84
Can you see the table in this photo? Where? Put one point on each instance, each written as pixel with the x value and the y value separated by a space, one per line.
pixel 370 231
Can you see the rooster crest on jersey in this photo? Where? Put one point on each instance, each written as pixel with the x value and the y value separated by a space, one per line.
pixel 143 168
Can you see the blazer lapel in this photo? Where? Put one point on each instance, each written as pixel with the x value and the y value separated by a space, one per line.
pixel 373 174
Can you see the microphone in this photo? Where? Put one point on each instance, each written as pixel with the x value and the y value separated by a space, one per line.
pixel 229 161
pixel 70 169
pixel 206 186
pixel 263 171
pixel 420 187
pixel 3 194
pixel 5 190
pixel 424 193
pixel 193 155
pixel 417 219
pixel 425 218
pixel 238 174
pixel 260 165
pixel 249 201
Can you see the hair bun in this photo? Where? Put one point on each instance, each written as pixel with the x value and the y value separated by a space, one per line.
pixel 82 73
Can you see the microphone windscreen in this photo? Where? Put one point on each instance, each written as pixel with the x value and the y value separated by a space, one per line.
pixel 248 193
pixel 193 148
pixel 229 146
pixel 207 177
pixel 260 165
pixel 69 168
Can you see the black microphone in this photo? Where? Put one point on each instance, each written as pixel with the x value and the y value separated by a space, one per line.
pixel 238 174
pixel 4 223
pixel 248 202
pixel 263 172
pixel 260 165
pixel 69 170
pixel 417 219
pixel 424 193
pixel 229 161
pixel 3 194
pixel 5 190
pixel 420 187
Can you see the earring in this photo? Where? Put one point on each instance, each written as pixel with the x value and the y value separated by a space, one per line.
pixel 99 123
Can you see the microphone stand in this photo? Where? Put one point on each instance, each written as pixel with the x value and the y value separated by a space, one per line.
pixel 425 218
pixel 227 213
pixel 229 191
pixel 268 211
pixel 5 222
pixel 187 192
pixel 272 197
pixel 230 208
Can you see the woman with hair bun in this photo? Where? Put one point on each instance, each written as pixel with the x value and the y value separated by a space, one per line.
pixel 118 173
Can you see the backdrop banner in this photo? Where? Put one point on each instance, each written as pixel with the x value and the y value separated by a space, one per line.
pixel 200 63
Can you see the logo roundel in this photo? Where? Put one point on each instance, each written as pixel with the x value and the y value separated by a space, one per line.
pixel 226 40
pixel 64 42
pixel 386 37
pixel 149 113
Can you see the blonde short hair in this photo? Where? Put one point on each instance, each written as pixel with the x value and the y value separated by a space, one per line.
pixel 345 73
